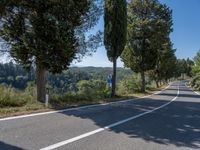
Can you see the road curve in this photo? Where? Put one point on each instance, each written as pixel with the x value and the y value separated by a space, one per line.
pixel 169 120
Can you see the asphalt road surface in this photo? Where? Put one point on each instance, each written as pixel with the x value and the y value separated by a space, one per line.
pixel 169 120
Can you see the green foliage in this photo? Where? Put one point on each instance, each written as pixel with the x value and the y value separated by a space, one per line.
pixel 165 65
pixel 93 89
pixel 132 84
pixel 101 73
pixel 129 85
pixel 45 31
pixel 49 34
pixel 148 21
pixel 184 67
pixel 115 27
pixel 115 30
pixel 189 65
pixel 10 97
pixel 149 25
pixel 89 91
pixel 14 75
pixel 195 82
pixel 197 58
pixel 196 70
pixel 17 77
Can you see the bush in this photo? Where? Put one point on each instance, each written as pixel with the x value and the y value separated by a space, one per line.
pixel 93 89
pixel 88 91
pixel 10 97
pixel 195 82
pixel 130 84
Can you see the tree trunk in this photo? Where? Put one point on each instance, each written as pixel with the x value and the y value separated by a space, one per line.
pixel 157 83
pixel 114 77
pixel 166 81
pixel 41 83
pixel 143 84
pixel 160 83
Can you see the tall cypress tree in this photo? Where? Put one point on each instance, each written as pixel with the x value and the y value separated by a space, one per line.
pixel 147 29
pixel 47 33
pixel 115 29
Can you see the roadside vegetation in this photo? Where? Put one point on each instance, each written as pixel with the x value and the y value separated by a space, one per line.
pixel 13 100
pixel 75 87
pixel 195 82
pixel 45 37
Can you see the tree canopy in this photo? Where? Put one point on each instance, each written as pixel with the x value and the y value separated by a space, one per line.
pixel 115 30
pixel 149 25
pixel 47 33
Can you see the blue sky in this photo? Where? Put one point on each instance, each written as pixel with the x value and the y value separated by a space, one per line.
pixel 186 34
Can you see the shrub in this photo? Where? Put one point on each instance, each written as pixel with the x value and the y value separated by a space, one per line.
pixel 129 85
pixel 10 97
pixel 195 82
pixel 88 91
pixel 93 89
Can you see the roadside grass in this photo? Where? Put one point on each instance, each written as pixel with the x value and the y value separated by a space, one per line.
pixel 150 89
pixel 29 108
pixel 14 102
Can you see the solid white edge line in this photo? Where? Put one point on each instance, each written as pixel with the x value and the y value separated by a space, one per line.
pixel 197 92
pixel 77 108
pixel 57 145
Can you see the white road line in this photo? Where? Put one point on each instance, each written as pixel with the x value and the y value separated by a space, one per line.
pixel 77 108
pixel 57 145
pixel 197 93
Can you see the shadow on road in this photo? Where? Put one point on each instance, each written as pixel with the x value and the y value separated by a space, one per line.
pixel 5 146
pixel 181 95
pixel 177 124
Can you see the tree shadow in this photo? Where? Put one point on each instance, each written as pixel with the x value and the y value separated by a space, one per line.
pixel 177 123
pixel 181 95
pixel 180 128
pixel 183 90
pixel 5 146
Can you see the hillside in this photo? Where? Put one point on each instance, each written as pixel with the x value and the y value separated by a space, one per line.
pixel 15 76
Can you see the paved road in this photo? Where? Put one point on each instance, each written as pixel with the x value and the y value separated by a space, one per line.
pixel 169 120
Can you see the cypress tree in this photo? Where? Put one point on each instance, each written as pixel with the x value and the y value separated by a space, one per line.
pixel 115 29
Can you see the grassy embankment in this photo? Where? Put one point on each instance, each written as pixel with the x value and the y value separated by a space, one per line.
pixel 14 102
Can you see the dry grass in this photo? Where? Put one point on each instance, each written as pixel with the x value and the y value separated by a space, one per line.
pixel 32 106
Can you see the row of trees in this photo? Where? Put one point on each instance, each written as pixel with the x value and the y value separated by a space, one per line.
pixel 140 35
pixel 49 35
pixel 142 38
pixel 148 46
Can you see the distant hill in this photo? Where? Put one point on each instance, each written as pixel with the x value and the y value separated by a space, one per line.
pixel 14 75
pixel 102 72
